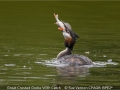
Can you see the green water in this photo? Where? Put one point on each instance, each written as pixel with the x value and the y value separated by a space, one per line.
pixel 28 35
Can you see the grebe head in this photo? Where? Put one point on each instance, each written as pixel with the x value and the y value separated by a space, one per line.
pixel 69 35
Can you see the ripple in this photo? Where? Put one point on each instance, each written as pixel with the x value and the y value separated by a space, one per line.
pixel 17 80
pixel 42 54
pixel 23 54
pixel 27 54
pixel 38 62
pixel 50 75
pixel 29 77
pixel 22 73
pixel 10 64
pixel 2 73
pixel 16 54
pixel 102 64
pixel 6 55
pixel 29 68
pixel 3 68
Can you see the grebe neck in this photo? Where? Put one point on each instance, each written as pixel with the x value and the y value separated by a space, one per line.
pixel 67 51
pixel 70 40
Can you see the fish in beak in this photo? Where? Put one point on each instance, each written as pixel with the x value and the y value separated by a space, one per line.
pixel 65 28
pixel 59 23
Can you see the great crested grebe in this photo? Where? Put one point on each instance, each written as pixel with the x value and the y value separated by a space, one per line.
pixel 66 55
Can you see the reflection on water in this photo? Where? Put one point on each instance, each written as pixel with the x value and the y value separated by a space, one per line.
pixel 72 71
pixel 69 75
pixel 65 69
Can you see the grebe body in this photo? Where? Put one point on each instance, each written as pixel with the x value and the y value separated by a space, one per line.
pixel 75 59
pixel 70 37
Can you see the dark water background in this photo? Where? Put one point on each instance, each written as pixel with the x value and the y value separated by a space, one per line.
pixel 28 35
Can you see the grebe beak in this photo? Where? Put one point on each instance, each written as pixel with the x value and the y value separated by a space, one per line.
pixel 60 29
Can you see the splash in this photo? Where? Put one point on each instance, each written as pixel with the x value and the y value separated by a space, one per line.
pixel 103 64
pixel 54 63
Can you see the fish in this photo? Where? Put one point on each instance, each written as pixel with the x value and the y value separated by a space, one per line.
pixel 65 28
pixel 59 23
pixel 62 24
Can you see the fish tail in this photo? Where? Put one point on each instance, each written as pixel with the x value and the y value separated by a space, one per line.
pixel 56 16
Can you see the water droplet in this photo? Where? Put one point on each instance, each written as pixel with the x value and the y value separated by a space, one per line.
pixel 87 52
pixel 24 66
pixel 110 60
pixel 104 56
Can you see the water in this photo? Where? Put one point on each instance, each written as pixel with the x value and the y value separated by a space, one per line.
pixel 30 42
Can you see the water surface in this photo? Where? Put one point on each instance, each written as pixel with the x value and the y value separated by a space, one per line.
pixel 29 41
